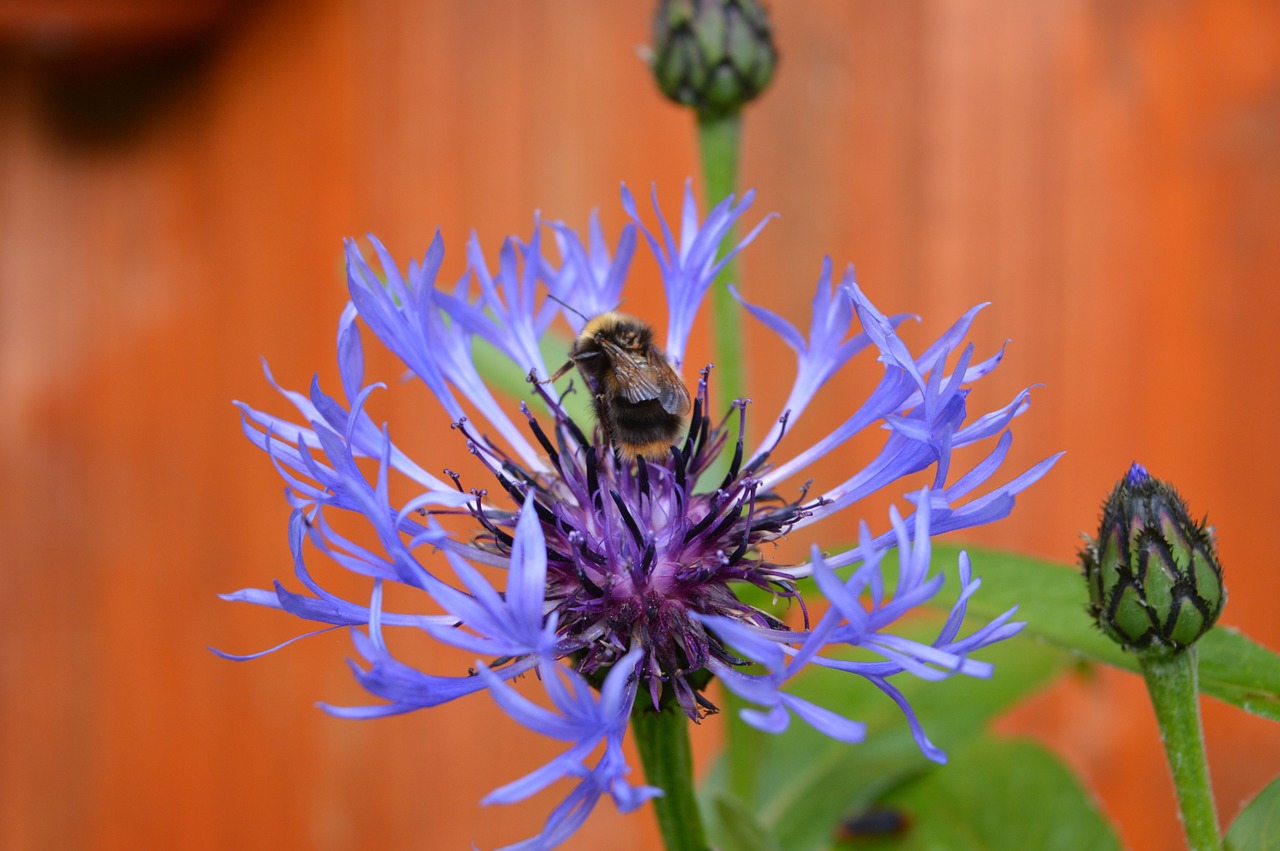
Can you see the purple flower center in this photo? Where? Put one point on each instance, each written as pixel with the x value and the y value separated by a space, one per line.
pixel 633 550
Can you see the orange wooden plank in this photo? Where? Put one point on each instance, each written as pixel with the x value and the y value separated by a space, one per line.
pixel 1105 174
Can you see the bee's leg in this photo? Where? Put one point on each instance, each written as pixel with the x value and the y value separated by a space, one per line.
pixel 559 373
pixel 568 365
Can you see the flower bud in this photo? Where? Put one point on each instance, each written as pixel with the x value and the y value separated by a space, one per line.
pixel 712 55
pixel 1154 580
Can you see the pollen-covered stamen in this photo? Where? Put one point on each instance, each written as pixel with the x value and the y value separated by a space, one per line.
pixel 587 553
pixel 542 438
pixel 563 422
pixel 748 528
pixel 680 463
pixel 699 403
pixel 706 441
pixel 515 480
pixel 501 539
pixel 736 463
pixel 763 456
pixel 719 530
pixel 423 511
pixel 591 588
pixel 646 560
pixel 713 511
pixel 804 492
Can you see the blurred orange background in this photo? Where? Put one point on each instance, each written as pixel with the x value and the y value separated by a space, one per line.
pixel 175 182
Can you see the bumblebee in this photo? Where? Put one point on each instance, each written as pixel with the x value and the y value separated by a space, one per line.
pixel 639 399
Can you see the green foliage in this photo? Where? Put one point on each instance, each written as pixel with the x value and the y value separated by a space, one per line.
pixel 1052 598
pixel 1258 825
pixel 808 783
pixel 996 795
pixel 742 831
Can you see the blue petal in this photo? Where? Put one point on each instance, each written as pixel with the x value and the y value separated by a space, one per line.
pixel 234 657
pixel 407 688
pixel 773 721
pixel 527 585
pixel 744 639
pixel 687 271
pixel 825 721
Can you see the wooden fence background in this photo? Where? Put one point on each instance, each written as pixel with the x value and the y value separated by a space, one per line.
pixel 175 180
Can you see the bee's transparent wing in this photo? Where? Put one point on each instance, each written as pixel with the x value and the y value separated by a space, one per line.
pixel 651 378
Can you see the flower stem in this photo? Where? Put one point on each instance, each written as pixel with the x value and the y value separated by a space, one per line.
pixel 662 737
pixel 718 143
pixel 1172 683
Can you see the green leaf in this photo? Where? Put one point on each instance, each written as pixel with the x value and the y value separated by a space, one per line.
pixel 809 782
pixel 741 831
pixel 1258 825
pixel 1237 669
pixel 1052 599
pixel 997 794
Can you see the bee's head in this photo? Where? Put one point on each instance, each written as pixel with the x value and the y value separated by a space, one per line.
pixel 621 329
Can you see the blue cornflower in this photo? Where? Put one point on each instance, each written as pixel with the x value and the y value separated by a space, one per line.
pixel 621 574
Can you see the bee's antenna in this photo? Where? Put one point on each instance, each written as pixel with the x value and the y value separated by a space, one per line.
pixel 568 306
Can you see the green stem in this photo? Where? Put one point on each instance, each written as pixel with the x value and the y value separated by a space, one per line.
pixel 1172 683
pixel 719 143
pixel 662 739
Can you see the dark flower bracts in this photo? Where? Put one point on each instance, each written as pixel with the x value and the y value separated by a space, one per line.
pixel 1155 582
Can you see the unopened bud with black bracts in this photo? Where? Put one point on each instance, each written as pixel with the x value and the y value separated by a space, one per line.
pixel 1154 580
pixel 712 55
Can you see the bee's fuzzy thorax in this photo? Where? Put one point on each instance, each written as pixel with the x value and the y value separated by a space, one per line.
pixel 626 330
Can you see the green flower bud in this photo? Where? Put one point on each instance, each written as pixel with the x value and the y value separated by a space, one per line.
pixel 712 55
pixel 1155 584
